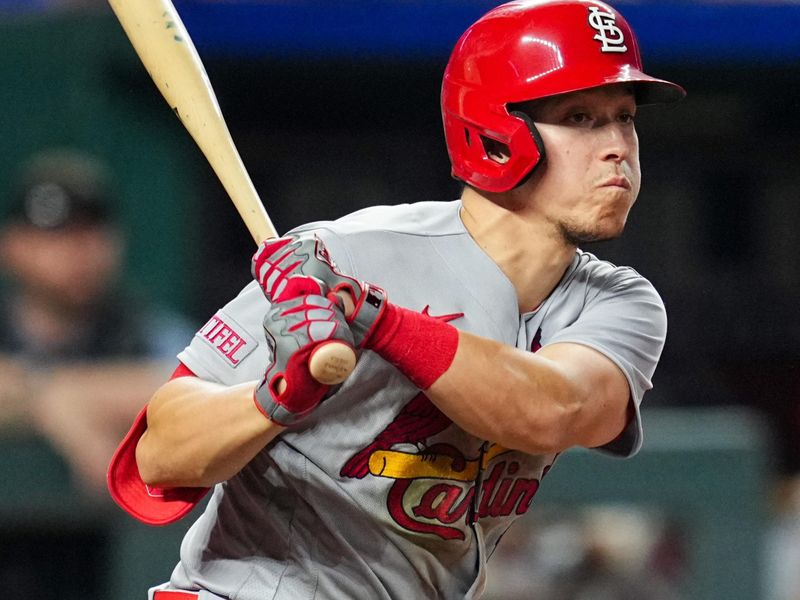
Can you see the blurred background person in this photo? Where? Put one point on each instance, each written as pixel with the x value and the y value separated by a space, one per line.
pixel 80 352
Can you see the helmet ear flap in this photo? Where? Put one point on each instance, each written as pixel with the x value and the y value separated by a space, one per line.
pixel 492 151
pixel 537 140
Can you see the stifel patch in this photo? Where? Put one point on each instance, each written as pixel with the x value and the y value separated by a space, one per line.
pixel 227 338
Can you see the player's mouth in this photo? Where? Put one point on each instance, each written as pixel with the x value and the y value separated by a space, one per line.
pixel 617 181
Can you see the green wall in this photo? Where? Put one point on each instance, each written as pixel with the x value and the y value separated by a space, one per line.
pixel 72 80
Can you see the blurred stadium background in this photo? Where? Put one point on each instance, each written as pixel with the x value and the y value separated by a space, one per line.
pixel 334 106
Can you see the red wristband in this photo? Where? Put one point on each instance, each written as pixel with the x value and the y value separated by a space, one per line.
pixel 421 347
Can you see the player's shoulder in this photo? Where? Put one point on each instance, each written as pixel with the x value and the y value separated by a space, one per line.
pixel 415 219
pixel 600 276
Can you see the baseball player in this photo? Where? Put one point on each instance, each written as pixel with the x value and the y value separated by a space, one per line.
pixel 488 342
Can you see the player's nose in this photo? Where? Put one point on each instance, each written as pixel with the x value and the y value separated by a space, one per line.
pixel 616 142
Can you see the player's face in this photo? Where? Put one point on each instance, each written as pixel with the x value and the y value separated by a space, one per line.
pixel 591 176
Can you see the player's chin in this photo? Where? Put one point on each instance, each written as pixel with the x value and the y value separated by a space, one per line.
pixel 602 230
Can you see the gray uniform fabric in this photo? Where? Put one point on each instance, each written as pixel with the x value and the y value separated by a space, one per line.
pixel 377 494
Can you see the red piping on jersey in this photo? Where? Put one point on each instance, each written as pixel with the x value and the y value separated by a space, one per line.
pixel 182 371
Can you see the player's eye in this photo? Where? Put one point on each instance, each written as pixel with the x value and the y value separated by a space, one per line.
pixel 579 118
pixel 626 117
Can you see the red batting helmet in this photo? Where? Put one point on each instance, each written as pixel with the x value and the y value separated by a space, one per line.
pixel 526 50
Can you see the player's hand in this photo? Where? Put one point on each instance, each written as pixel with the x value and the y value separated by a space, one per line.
pixel 295 329
pixel 277 263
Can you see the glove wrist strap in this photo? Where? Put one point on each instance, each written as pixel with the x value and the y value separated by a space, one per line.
pixel 367 313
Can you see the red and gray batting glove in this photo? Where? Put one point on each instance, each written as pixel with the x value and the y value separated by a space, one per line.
pixel 295 329
pixel 420 346
pixel 278 263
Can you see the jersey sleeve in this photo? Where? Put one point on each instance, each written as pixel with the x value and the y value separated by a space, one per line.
pixel 625 319
pixel 231 348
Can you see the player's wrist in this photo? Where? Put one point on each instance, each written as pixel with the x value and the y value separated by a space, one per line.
pixel 420 346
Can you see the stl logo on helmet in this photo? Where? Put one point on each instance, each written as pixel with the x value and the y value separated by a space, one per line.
pixel 605 24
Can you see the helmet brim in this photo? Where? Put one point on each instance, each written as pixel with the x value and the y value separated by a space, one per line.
pixel 649 90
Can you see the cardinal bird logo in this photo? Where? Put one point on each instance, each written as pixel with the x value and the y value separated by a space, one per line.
pixel 416 422
pixel 438 488
pixel 434 489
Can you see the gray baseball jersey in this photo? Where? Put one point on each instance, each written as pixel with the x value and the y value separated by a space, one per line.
pixel 378 494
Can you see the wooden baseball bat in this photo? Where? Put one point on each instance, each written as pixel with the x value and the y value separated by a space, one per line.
pixel 170 57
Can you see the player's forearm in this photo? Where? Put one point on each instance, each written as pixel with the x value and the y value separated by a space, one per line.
pixel 564 395
pixel 491 390
pixel 508 396
pixel 200 433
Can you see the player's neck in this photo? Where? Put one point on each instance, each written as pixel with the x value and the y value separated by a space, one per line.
pixel 525 249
